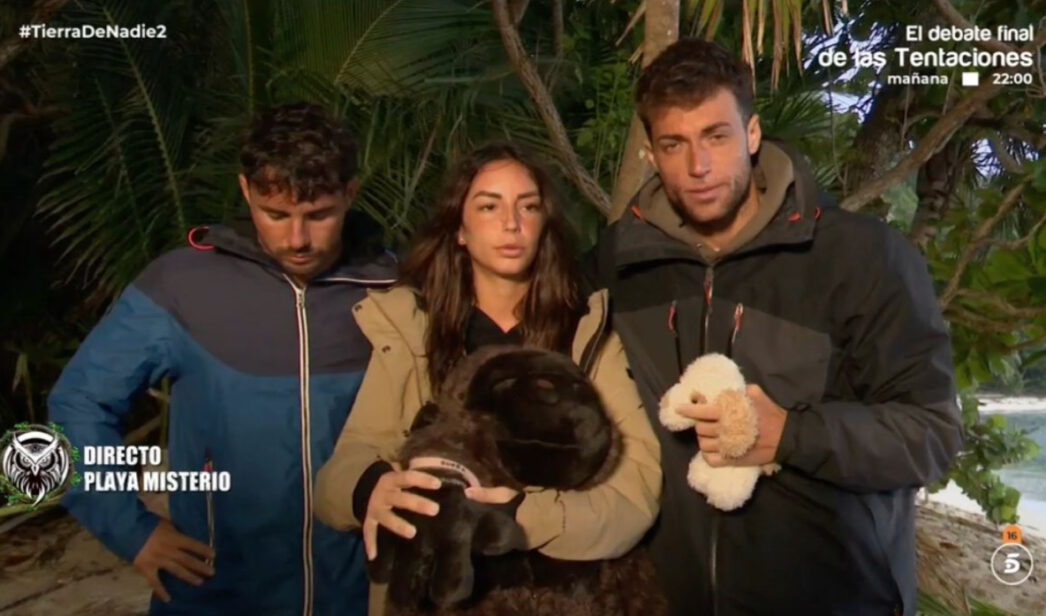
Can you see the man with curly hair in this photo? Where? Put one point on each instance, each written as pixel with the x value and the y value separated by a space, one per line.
pixel 731 248
pixel 251 325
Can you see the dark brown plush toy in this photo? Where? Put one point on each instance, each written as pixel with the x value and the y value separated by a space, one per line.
pixel 513 417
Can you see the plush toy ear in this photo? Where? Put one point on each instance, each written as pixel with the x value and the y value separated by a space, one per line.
pixel 426 416
pixel 380 568
pixel 450 536
pixel 452 574
pixel 409 579
pixel 472 528
pixel 497 533
pixel 417 575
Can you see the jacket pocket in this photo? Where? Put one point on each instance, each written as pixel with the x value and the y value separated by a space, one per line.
pixel 788 360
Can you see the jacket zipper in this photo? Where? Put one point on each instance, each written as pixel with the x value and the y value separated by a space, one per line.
pixel 739 311
pixel 588 354
pixel 673 316
pixel 709 283
pixel 208 466
pixel 306 440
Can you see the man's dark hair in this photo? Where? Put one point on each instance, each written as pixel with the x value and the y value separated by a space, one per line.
pixel 687 73
pixel 298 148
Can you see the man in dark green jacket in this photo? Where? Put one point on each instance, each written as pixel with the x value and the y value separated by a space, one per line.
pixel 833 320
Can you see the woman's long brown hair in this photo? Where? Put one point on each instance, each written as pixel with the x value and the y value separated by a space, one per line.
pixel 441 270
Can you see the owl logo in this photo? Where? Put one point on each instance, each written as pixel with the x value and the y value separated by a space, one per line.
pixel 35 461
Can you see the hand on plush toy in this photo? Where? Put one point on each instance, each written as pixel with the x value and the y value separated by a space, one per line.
pixel 390 492
pixel 506 500
pixel 770 419
pixel 435 565
pixel 491 496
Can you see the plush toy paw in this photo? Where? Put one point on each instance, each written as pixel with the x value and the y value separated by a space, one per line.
pixel 738 426
pixel 712 378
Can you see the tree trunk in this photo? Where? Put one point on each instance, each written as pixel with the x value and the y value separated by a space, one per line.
pixel 546 108
pixel 660 29
pixel 881 141
pixel 935 187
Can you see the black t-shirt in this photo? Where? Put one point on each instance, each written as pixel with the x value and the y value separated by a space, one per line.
pixel 482 330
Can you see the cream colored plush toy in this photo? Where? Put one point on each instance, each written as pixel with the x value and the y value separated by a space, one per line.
pixel 715 378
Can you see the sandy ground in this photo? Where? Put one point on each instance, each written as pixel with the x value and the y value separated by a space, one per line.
pixel 49 566
pixel 954 550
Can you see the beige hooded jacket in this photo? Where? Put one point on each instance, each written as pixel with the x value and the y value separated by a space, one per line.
pixel 602 522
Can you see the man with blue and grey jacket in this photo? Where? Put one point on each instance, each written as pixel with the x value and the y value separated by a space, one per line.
pixel 251 326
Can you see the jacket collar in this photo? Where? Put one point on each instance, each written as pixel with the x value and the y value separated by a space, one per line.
pixel 638 241
pixel 399 309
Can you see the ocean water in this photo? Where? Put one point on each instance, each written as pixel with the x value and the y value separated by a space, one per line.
pixel 1028 413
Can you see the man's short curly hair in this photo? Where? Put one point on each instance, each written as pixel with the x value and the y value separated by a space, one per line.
pixel 687 73
pixel 298 148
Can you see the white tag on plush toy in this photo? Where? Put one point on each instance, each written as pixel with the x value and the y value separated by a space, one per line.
pixel 715 378
pixel 424 462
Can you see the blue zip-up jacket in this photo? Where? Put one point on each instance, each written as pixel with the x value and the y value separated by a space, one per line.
pixel 263 375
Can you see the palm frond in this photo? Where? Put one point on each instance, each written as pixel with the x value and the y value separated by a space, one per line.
pixel 115 178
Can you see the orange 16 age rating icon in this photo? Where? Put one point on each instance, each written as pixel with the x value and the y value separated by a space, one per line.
pixel 1012 562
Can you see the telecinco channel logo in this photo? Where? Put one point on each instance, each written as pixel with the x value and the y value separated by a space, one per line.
pixel 1012 562
pixel 35 461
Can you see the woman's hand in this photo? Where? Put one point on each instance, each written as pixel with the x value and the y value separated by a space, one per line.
pixel 491 496
pixel 389 493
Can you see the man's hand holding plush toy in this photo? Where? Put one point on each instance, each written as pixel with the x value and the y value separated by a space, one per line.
pixel 738 429
pixel 770 420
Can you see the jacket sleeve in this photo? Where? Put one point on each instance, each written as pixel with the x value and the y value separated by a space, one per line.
pixel 608 520
pixel 371 436
pixel 127 351
pixel 904 429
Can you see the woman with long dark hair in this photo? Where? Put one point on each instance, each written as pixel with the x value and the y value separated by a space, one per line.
pixel 493 266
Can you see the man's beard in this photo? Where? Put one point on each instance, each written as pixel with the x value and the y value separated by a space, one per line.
pixel 739 192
